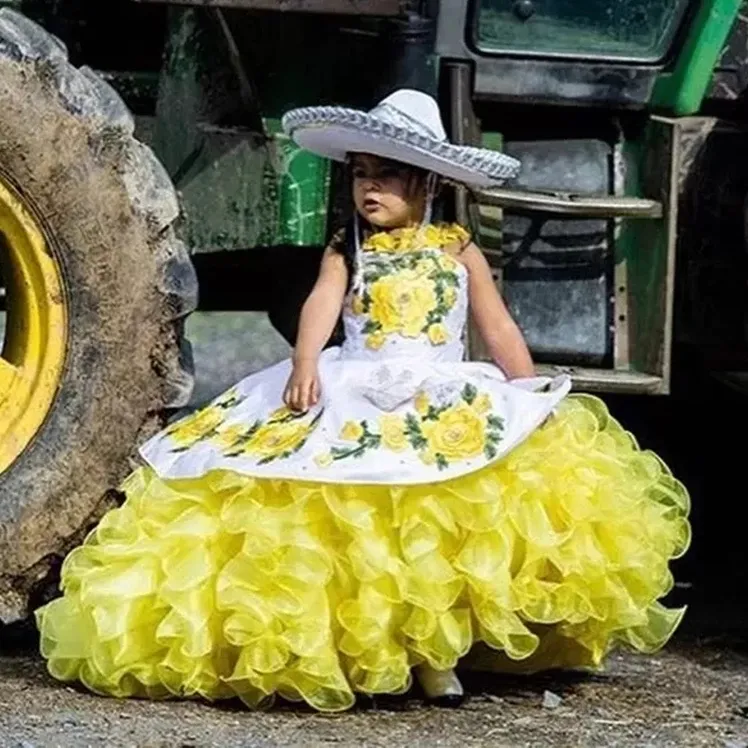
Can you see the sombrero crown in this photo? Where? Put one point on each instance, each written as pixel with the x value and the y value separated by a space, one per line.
pixel 405 127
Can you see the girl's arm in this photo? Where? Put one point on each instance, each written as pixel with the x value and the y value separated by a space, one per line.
pixel 316 323
pixel 499 331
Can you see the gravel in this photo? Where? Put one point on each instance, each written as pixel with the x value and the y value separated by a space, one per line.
pixel 695 693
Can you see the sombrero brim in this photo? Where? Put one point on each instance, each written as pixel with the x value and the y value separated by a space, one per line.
pixel 335 132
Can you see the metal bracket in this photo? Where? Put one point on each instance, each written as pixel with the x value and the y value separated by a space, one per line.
pixel 569 204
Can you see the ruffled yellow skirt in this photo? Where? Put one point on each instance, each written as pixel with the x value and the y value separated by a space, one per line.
pixel 232 586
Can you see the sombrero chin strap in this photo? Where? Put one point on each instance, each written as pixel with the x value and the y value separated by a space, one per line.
pixel 358 272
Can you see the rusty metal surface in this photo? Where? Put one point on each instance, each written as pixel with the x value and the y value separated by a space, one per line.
pixel 342 7
pixel 558 268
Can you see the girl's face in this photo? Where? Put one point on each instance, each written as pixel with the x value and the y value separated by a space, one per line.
pixel 387 194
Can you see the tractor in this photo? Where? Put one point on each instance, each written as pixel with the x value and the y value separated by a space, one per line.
pixel 142 157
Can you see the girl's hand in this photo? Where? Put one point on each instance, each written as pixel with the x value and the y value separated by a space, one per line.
pixel 303 388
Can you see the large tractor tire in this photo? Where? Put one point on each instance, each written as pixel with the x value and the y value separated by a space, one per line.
pixel 97 286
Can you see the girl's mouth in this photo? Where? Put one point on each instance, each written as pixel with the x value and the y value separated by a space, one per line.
pixel 371 205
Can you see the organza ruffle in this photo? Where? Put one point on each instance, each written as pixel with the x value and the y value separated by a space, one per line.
pixel 233 586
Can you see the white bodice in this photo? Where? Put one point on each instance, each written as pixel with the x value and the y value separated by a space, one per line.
pixel 409 305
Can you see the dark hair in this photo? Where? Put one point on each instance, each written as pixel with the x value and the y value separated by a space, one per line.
pixel 344 243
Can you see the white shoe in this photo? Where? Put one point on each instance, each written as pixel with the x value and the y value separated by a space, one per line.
pixel 441 687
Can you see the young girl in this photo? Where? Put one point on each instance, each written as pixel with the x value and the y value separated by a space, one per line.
pixel 345 520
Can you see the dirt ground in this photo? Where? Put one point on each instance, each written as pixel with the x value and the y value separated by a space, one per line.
pixel 693 694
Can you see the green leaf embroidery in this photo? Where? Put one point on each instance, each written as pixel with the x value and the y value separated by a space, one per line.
pixel 370 326
pixel 495 422
pixel 469 393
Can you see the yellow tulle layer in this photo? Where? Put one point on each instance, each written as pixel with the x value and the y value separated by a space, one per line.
pixel 233 586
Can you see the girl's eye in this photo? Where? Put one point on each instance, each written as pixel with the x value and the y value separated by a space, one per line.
pixel 380 176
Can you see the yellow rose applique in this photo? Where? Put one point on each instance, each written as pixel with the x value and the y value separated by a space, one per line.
pixel 402 304
pixel 458 434
pixel 393 434
pixel 324 460
pixel 427 457
pixel 432 236
pixel 376 340
pixel 380 242
pixel 282 413
pixel 452 234
pixel 230 436
pixel 410 238
pixel 447 263
pixel 422 403
pixel 482 404
pixel 192 429
pixel 437 334
pixel 351 431
pixel 462 430
pixel 424 267
pixel 275 439
pixel 450 296
pixel 283 433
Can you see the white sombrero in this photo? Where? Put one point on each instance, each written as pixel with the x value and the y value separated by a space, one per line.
pixel 404 127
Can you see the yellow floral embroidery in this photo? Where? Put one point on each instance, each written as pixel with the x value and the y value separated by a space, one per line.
pixel 402 304
pixel 351 431
pixel 393 432
pixel 458 433
pixel 427 456
pixel 203 424
pixel 376 340
pixel 324 460
pixel 414 291
pixel 407 294
pixel 450 296
pixel 283 413
pixel 275 439
pixel 446 263
pixel 438 334
pixel 422 403
pixel 482 404
pixel 229 436
pixel 440 434
pixel 283 434
pixel 412 238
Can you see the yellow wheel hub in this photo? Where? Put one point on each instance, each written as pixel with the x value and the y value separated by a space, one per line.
pixel 33 350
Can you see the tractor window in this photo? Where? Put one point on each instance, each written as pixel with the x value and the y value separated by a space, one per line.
pixel 639 30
